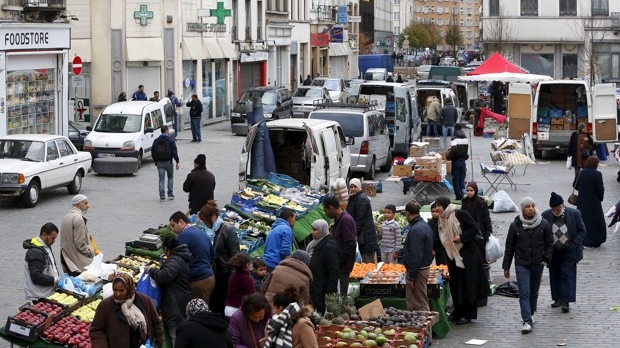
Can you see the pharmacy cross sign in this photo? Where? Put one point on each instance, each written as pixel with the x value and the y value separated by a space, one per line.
pixel 220 13
pixel 143 15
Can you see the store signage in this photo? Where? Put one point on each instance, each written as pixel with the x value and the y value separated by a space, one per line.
pixel 143 15
pixel 318 39
pixel 336 35
pixel 206 28
pixel 17 38
pixel 76 65
pixel 343 14
pixel 220 12
pixel 253 57
pixel 355 19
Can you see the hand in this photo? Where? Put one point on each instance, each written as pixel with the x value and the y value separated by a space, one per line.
pixel 178 166
pixel 146 269
pixel 457 239
pixel 506 273
pixel 395 254
pixel 410 284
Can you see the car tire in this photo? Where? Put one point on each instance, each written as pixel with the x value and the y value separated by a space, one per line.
pixel 76 184
pixel 538 154
pixel 370 175
pixel 140 160
pixel 30 197
pixel 388 165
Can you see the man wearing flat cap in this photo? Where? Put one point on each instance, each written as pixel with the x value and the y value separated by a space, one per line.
pixel 200 183
pixel 76 250
pixel 568 234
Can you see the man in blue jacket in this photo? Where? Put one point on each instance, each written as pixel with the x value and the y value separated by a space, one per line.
pixel 279 240
pixel 139 94
pixel 418 256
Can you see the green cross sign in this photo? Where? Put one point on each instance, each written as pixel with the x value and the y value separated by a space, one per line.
pixel 143 15
pixel 220 13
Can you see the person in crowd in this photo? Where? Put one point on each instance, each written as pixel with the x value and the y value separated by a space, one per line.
pixel 360 209
pixel 240 283
pixel 345 236
pixel 591 194
pixel 280 239
pixel 579 147
pixel 200 184
pixel 418 256
pixel 400 78
pixel 139 94
pixel 258 272
pixel 155 97
pixel 247 326
pixel 127 318
pixel 203 328
pixel 173 280
pixel 448 117
pixel 438 250
pixel 76 249
pixel 568 233
pixel 459 235
pixel 308 80
pixel 40 271
pixel 226 245
pixel 293 271
pixel 389 78
pixel 195 117
pixel 176 104
pixel 478 105
pixel 202 280
pixel 530 243
pixel 390 235
pixel 164 150
pixel 477 207
pixel 291 326
pixel 458 154
pixel 433 110
pixel 498 97
pixel 122 97
pixel 324 262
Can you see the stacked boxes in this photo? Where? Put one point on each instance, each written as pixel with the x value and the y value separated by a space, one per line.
pixel 403 170
pixel 418 149
pixel 370 188
pixel 428 169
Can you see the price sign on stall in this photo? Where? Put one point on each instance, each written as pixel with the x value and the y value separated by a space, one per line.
pixel 77 65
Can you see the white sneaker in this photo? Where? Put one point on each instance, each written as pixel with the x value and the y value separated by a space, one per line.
pixel 527 328
pixel 533 320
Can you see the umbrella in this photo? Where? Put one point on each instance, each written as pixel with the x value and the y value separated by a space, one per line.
pixel 507 77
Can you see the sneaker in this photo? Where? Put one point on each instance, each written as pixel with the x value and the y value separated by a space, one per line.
pixel 162 199
pixel 527 328
pixel 533 320
pixel 171 197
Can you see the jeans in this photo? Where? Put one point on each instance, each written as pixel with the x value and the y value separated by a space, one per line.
pixel 195 124
pixel 459 170
pixel 434 124
pixel 528 279
pixel 175 124
pixel 164 168
pixel 446 130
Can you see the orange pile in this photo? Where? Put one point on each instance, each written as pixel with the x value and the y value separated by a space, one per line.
pixel 393 267
pixel 444 268
pixel 360 269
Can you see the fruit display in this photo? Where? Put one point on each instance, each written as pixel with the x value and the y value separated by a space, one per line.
pixel 295 206
pixel 31 317
pixel 361 269
pixel 444 268
pixel 128 262
pixel 381 277
pixel 265 186
pixel 69 331
pixel 403 318
pixel 339 310
pixel 87 312
pixel 369 336
pixel 434 277
pixel 63 298
pixel 47 307
pixel 392 267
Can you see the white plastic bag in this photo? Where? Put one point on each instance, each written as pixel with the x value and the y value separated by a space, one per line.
pixel 502 203
pixel 569 162
pixel 493 249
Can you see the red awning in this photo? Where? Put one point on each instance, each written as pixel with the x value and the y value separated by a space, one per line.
pixel 496 64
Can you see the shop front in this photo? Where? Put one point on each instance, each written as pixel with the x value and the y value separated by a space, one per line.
pixel 251 67
pixel 33 71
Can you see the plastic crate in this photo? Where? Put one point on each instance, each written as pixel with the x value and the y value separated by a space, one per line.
pixel 244 202
pixel 21 329
pixel 56 317
pixel 283 180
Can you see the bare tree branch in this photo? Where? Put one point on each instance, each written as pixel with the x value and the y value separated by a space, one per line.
pixel 591 30
pixel 499 33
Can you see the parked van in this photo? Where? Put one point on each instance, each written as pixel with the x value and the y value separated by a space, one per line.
pixel 314 152
pixel 124 132
pixel 551 114
pixel 376 74
pixel 446 73
pixel 398 101
pixel 424 94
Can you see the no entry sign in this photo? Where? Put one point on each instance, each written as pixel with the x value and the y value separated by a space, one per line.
pixel 77 65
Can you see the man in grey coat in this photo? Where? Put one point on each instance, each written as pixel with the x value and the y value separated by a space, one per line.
pixel 76 249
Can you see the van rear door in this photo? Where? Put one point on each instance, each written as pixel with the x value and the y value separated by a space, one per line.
pixel 318 162
pixel 244 162
pixel 345 155
pixel 604 111
pixel 520 111
pixel 331 153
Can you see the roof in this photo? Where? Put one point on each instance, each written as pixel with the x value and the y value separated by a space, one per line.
pixel 497 64
pixel 300 123
pixel 133 107
pixel 32 137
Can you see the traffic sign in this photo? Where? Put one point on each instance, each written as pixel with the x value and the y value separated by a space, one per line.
pixel 77 65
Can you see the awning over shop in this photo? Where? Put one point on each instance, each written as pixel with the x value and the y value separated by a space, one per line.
pixel 193 49
pixel 228 48
pixel 145 49
pixel 81 48
pixel 339 49
pixel 214 51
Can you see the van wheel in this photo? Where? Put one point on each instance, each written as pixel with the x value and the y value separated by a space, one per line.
pixel 388 165
pixel 538 154
pixel 140 160
pixel 370 175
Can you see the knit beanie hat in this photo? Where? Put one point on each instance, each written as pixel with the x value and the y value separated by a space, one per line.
pixel 201 160
pixel 196 306
pixel 526 201
pixel 302 256
pixel 555 200
pixel 78 199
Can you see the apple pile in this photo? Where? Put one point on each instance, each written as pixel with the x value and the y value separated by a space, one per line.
pixel 86 312
pixel 30 317
pixel 63 298
pixel 69 331
pixel 47 307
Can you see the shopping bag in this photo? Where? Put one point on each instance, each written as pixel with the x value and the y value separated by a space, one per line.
pixel 493 249
pixel 149 287
pixel 569 162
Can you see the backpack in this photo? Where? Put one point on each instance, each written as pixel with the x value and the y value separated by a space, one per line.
pixel 161 151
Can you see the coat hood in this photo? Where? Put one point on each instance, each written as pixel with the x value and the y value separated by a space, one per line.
pixel 280 222
pixel 297 265
pixel 32 243
pixel 211 321
pixel 183 252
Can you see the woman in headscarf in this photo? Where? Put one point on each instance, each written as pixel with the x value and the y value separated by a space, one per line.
pixel 323 264
pixel 579 147
pixel 477 207
pixel 360 209
pixel 591 194
pixel 459 234
pixel 291 326
pixel 126 319
pixel 203 328
pixel 292 271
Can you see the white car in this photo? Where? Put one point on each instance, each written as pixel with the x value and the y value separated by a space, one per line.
pixel 31 163
pixel 335 85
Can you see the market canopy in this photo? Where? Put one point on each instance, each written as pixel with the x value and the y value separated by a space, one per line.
pixel 507 77
pixel 497 64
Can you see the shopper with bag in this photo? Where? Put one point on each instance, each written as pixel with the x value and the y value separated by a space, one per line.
pixel 591 195
pixel 568 234
pixel 579 147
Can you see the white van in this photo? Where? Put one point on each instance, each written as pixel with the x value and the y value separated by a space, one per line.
pixel 551 114
pixel 314 152
pixel 376 74
pixel 124 132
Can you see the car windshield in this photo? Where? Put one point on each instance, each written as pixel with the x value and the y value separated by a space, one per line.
pixel 270 98
pixel 308 93
pixel 352 124
pixel 331 85
pixel 111 123
pixel 375 76
pixel 22 149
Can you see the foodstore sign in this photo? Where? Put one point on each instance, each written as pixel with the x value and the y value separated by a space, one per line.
pixel 13 38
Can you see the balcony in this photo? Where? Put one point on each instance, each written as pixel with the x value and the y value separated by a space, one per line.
pixel 37 10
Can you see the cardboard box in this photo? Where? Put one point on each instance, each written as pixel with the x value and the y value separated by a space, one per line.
pixel 428 175
pixel 567 120
pixel 557 120
pixel 372 310
pixel 428 162
pixel 444 155
pixel 557 127
pixel 567 126
pixel 418 151
pixel 370 191
pixel 448 166
pixel 402 170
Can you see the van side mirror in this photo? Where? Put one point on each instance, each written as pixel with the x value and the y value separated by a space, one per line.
pixel 89 128
pixel 351 141
pixel 149 130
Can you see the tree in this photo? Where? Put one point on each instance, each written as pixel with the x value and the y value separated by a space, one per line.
pixel 420 35
pixel 591 30
pixel 454 38
pixel 499 32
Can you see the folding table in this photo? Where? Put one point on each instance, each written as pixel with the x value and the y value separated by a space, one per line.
pixel 495 176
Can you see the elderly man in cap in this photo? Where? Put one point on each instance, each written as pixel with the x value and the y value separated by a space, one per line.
pixel 568 234
pixel 76 249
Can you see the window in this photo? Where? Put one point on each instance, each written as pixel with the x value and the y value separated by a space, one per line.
pixel 568 7
pixel 440 21
pixel 396 15
pixel 396 30
pixel 439 10
pixel 600 7
pixel 476 23
pixel 541 64
pixel 440 33
pixel 65 149
pixel 52 151
pixel 569 66
pixel 469 34
pixel 529 7
pixel 396 2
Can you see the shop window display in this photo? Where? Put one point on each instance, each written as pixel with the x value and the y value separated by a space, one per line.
pixel 31 104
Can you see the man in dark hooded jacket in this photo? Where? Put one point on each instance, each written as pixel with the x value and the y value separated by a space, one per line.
pixel 458 154
pixel 203 328
pixel 40 271
pixel 200 184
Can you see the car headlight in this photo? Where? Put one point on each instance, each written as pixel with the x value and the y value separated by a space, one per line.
pixel 88 145
pixel 12 178
pixel 128 146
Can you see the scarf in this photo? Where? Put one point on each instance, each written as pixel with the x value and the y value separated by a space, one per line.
pixel 449 228
pixel 280 328
pixel 323 228
pixel 532 223
pixel 132 313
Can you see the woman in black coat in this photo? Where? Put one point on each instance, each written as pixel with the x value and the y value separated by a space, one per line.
pixel 477 207
pixel 173 280
pixel 323 264
pixel 203 328
pixel 360 209
pixel 591 194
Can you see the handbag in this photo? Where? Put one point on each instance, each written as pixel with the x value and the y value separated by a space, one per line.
pixel 574 197
pixel 146 285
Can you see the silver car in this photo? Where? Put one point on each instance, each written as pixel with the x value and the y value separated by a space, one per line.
pixel 335 86
pixel 304 98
